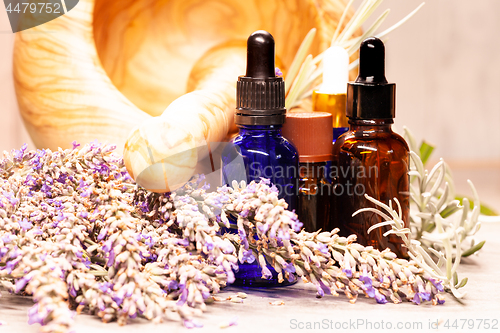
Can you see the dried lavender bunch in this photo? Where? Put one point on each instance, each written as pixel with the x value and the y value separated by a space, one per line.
pixel 77 233
pixel 71 213
pixel 330 262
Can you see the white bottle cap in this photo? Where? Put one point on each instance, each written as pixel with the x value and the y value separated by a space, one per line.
pixel 335 71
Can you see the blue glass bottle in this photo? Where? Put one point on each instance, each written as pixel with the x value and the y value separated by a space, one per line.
pixel 260 150
pixel 265 153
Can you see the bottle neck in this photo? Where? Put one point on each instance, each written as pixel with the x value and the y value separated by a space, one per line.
pixel 373 125
pixel 260 129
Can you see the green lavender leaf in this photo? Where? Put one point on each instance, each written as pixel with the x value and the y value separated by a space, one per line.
pixel 485 210
pixel 473 249
pixel 425 151
pixel 462 283
pixel 451 209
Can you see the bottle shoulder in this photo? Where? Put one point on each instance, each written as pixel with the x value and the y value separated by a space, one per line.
pixel 272 147
pixel 361 143
pixel 265 143
pixel 365 137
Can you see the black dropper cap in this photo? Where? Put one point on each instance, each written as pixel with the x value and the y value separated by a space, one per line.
pixel 260 95
pixel 370 96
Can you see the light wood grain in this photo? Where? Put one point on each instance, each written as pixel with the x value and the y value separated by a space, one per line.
pixel 105 67
pixel 444 60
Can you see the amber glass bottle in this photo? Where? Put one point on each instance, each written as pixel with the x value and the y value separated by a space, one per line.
pixel 370 158
pixel 311 133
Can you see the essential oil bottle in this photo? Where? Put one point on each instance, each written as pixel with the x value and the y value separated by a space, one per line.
pixel 311 133
pixel 259 149
pixel 331 95
pixel 370 158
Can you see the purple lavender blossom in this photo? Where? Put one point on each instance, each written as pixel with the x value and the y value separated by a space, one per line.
pixel 21 283
pixel 47 190
pixel 118 298
pixel 85 193
pixel 107 246
pixel 251 188
pixel 296 224
pixel 25 224
pixel 95 144
pixel 380 298
pixel 81 184
pixel 263 228
pixel 35 161
pixel 72 290
pixel 283 235
pixel 9 267
pixel 437 284
pixel 30 180
pixel 243 238
pixel 3 251
pixel 102 234
pixel 183 242
pixel 265 181
pixel 367 287
pixel 105 286
pixel 248 257
pixel 422 295
pixel 18 154
pixel 75 145
pixel 323 248
pixel 83 214
pixel 245 213
pixel 192 323
pixel 266 273
pixel 319 291
pixel 183 297
pixel 289 267
pixel 111 258
pixel 34 317
pixel 347 269
pixel 173 285
pixel 10 196
pixel 278 72
pixel 148 240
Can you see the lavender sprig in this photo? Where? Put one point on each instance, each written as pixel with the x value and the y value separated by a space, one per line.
pixel 330 262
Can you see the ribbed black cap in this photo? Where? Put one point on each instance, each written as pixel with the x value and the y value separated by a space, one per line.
pixel 370 96
pixel 260 95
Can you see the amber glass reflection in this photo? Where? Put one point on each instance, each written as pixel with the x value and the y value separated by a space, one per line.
pixel 313 202
pixel 370 158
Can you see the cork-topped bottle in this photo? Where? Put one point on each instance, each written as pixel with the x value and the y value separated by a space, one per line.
pixel 311 133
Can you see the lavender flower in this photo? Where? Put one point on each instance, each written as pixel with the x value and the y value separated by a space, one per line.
pixel 25 224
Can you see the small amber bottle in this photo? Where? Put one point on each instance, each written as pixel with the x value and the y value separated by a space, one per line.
pixel 370 158
pixel 311 133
